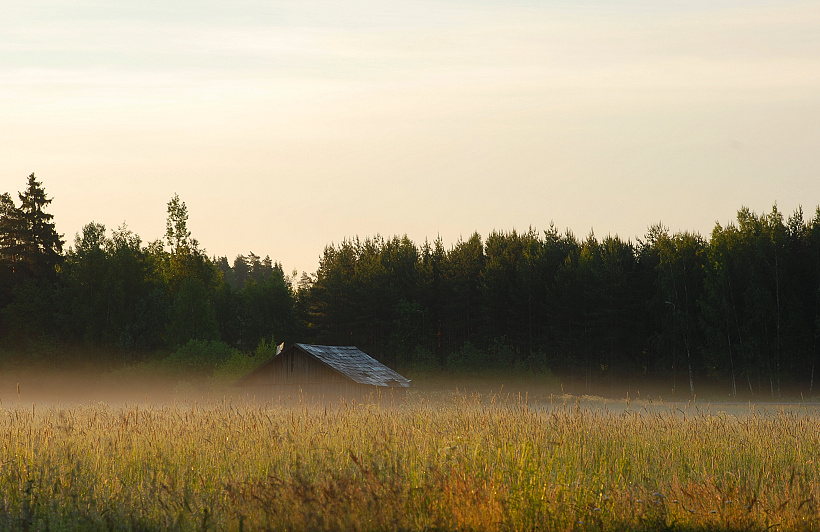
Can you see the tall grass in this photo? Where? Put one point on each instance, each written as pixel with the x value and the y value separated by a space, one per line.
pixel 461 464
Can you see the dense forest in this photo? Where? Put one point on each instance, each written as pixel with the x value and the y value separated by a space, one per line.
pixel 740 309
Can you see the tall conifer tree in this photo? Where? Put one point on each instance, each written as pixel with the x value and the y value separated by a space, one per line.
pixel 41 245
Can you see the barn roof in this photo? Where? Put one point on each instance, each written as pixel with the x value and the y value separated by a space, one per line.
pixel 355 364
pixel 350 361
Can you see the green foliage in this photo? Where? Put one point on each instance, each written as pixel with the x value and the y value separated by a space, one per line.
pixel 31 312
pixel 199 367
pixel 199 358
pixel 41 245
pixel 29 244
pixel 177 234
pixel 741 309
pixel 262 307
pixel 185 260
pixel 761 299
pixel 230 370
pixel 423 360
pixel 192 316
pixel 112 294
pixel 406 331
pixel 470 360
pixel 11 245
pixel 356 294
pixel 266 308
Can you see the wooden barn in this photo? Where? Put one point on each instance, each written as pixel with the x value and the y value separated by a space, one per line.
pixel 325 373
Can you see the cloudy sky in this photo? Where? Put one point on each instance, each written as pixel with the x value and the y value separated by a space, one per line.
pixel 287 126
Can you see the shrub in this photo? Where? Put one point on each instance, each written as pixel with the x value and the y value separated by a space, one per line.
pixel 423 360
pixel 198 357
pixel 467 360
pixel 227 372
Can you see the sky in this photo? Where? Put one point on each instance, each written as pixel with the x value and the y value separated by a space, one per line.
pixel 286 126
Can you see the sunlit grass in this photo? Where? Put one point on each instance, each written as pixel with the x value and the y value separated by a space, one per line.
pixel 461 462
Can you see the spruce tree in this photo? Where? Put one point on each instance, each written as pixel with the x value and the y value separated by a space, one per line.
pixel 41 246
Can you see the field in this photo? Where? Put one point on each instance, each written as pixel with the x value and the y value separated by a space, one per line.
pixel 442 461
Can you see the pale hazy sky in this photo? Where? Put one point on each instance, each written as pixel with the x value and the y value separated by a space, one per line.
pixel 286 126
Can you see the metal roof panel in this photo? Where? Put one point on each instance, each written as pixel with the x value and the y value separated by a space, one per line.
pixel 356 365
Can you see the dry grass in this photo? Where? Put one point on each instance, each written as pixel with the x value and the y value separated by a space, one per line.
pixel 459 463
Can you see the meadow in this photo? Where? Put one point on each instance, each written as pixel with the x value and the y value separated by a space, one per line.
pixel 442 461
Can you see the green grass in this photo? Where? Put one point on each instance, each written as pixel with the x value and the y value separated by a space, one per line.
pixel 461 462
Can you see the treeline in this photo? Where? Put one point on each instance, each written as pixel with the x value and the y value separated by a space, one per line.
pixel 740 309
pixel 125 298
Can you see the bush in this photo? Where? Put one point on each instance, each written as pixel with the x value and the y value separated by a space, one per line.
pixel 468 360
pixel 423 359
pixel 239 364
pixel 198 357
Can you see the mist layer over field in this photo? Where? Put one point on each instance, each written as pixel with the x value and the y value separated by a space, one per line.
pixel 445 459
pixel 157 382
